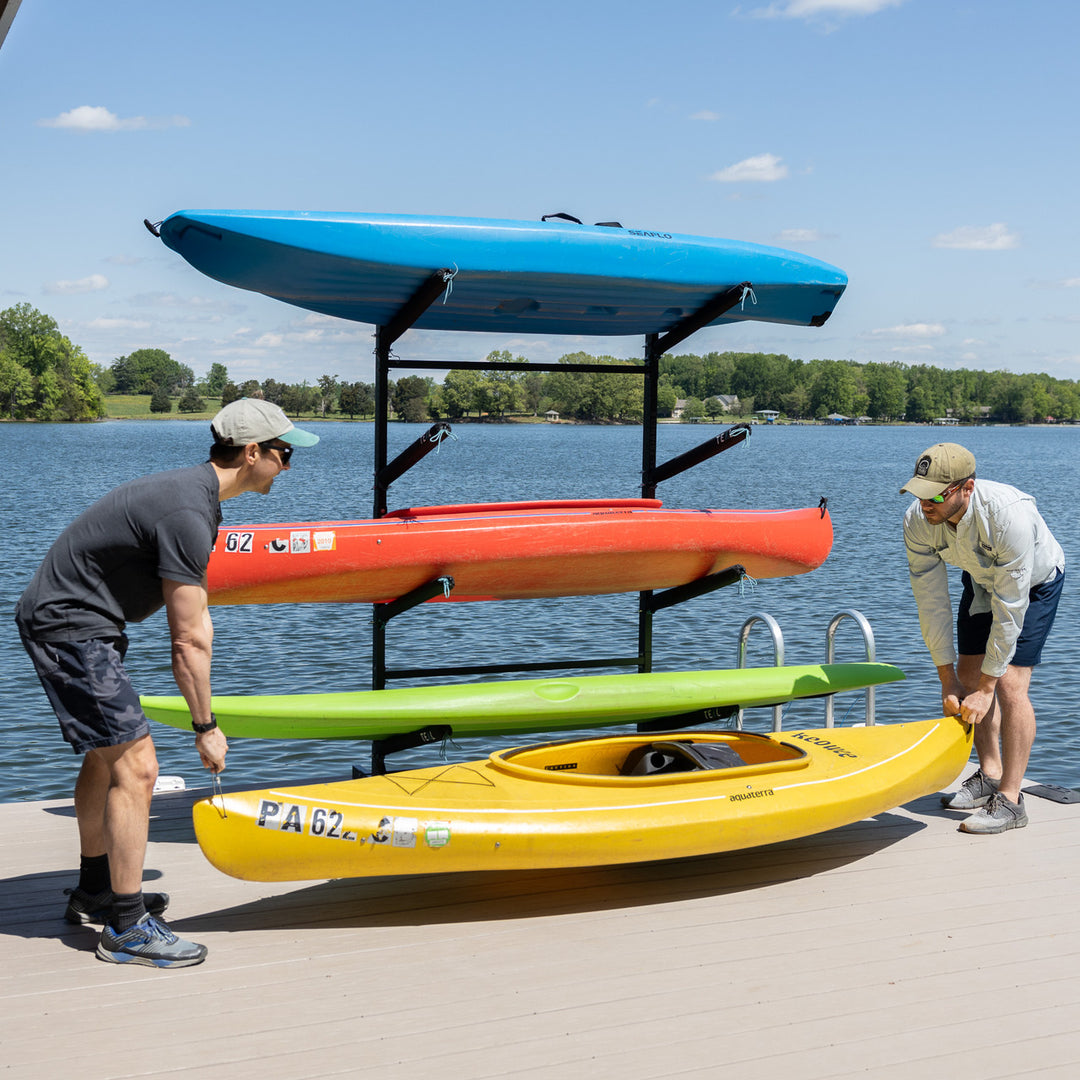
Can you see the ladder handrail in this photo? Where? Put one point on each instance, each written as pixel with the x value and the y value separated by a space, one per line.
pixel 778 657
pixel 868 640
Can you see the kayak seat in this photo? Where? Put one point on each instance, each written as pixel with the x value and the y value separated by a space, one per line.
pixel 679 756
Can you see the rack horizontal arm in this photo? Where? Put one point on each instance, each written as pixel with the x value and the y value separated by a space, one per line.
pixel 712 309
pixel 407 740
pixel 498 669
pixel 514 365
pixel 414 307
pixel 710 448
pixel 412 454
pixel 657 601
pixel 421 594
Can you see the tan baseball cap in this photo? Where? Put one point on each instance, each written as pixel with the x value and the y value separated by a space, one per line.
pixel 938 468
pixel 252 420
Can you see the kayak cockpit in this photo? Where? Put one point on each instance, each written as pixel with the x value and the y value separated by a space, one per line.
pixel 631 760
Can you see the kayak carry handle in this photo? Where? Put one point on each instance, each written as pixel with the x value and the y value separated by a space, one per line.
pixel 577 221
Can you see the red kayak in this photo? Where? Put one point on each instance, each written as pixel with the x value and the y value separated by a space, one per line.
pixel 504 551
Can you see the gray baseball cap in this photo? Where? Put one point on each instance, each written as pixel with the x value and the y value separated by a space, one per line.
pixel 252 420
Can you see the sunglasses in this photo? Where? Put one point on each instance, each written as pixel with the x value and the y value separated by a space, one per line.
pixel 948 491
pixel 286 452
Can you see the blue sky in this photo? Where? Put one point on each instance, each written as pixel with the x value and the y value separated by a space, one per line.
pixel 927 147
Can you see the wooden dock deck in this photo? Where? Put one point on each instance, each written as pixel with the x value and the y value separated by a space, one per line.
pixel 895 948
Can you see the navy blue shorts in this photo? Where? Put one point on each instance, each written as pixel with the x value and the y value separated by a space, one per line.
pixel 973 631
pixel 90 691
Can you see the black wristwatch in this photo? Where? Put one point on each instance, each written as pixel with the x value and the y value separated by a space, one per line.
pixel 202 729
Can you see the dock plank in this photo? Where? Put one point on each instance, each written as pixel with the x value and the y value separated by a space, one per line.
pixel 894 947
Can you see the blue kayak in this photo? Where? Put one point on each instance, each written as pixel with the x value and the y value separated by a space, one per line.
pixel 536 277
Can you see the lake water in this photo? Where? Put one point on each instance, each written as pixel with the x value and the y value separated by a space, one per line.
pixel 54 471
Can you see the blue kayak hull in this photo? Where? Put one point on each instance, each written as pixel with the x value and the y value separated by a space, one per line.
pixel 508 276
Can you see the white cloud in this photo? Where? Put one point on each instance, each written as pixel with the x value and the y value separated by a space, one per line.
pixel 1071 283
pixel 811 9
pixel 706 114
pixel 912 331
pixel 994 237
pixel 269 341
pixel 798 236
pixel 764 168
pixel 200 306
pixel 96 118
pixel 117 324
pixel 93 283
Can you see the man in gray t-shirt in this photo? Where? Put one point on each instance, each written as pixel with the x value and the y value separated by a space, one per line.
pixel 106 568
pixel 143 546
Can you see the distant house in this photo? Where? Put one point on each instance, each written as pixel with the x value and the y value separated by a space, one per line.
pixel 730 402
pixel 839 418
pixel 945 421
pixel 680 408
pixel 551 416
pixel 768 415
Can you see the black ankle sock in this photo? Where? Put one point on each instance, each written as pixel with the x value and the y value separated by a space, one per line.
pixel 94 874
pixel 127 910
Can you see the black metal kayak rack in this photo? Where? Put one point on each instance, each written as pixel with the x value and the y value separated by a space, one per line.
pixel 652 474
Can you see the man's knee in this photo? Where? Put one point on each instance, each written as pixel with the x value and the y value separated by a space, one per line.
pixel 133 766
pixel 1013 686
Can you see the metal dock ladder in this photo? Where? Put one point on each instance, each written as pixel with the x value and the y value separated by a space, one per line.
pixel 830 639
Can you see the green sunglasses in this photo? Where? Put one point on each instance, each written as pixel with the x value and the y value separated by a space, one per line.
pixel 948 491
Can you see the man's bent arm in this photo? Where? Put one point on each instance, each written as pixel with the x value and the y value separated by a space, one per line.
pixel 192 635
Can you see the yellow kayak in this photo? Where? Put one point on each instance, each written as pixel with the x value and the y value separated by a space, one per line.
pixel 586 802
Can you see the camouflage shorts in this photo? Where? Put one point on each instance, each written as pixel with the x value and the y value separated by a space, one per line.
pixel 90 691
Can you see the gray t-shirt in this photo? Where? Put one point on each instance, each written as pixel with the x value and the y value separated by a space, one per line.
pixel 105 568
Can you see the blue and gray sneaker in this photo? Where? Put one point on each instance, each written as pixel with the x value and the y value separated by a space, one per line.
pixel 976 791
pixel 86 908
pixel 148 942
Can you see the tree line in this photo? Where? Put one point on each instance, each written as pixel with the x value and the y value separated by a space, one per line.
pixel 44 376
pixel 882 391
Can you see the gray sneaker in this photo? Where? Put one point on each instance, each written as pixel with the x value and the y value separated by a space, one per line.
pixel 148 942
pixel 999 815
pixel 974 792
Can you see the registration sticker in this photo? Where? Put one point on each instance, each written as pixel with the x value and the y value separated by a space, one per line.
pixel 437 834
pixel 241 542
pixel 325 540
pixel 300 543
pixel 404 834
pixel 323 822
